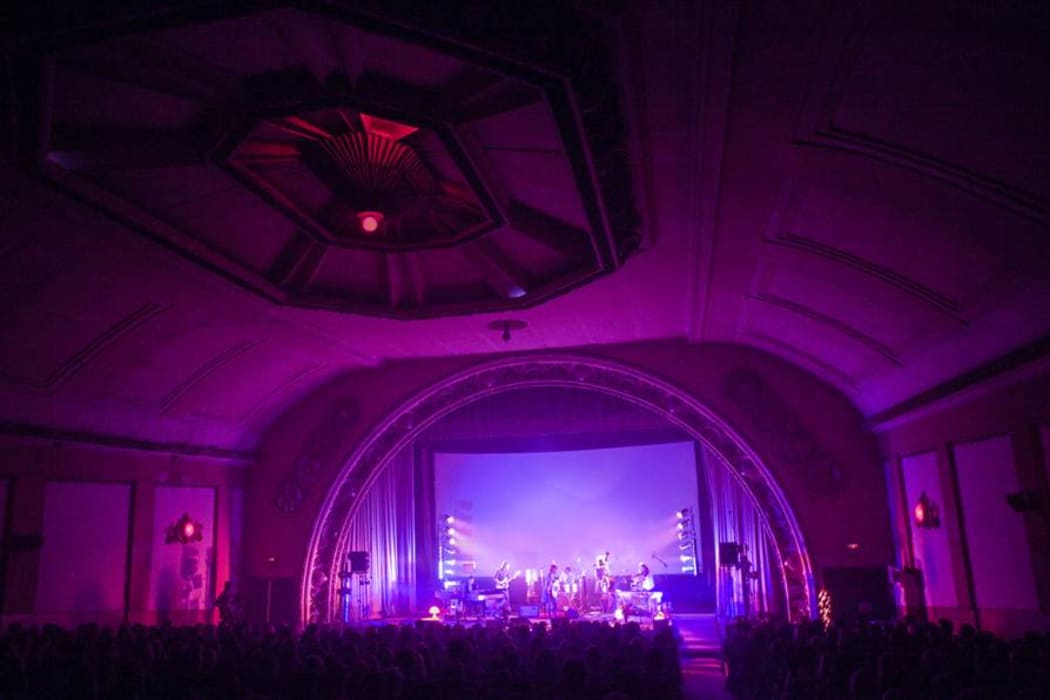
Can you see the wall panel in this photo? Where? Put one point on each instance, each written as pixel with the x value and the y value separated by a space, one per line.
pixel 83 561
pixel 931 546
pixel 998 544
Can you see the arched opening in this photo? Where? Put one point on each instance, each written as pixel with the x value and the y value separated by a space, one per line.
pixel 331 539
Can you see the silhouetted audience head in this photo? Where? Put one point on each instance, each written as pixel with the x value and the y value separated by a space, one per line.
pixel 421 660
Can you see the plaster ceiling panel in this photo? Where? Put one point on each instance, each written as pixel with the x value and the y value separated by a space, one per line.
pixel 150 365
pixel 236 223
pixel 937 85
pixel 858 304
pixel 343 270
pixel 835 352
pixel 250 44
pixel 411 63
pixel 158 189
pixel 528 128
pixel 917 228
pixel 541 180
pixel 251 379
pixel 84 99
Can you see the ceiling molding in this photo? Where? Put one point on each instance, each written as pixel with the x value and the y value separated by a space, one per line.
pixel 941 303
pixel 105 338
pixel 835 324
pixel 58 436
pixel 816 127
pixel 1028 355
pixel 718 28
pixel 835 376
pixel 205 370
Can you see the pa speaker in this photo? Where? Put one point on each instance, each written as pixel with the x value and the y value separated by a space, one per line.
pixel 728 553
pixel 360 562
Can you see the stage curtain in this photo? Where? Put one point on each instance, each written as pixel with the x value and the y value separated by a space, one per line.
pixel 736 519
pixel 385 526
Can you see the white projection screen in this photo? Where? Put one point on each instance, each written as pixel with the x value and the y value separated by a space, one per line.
pixel 532 508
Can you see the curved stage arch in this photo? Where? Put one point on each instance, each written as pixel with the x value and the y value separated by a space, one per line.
pixel 330 533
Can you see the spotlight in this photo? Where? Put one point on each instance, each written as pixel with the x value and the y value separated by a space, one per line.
pixel 451 531
pixel 369 221
pixel 452 541
pixel 618 614
pixel 681 525
pixel 434 611
pixel 685 557
pixel 449 519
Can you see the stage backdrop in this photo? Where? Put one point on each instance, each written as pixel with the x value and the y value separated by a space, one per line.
pixel 532 508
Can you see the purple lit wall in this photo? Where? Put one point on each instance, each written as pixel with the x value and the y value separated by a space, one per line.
pixel 85 554
pixel 569 506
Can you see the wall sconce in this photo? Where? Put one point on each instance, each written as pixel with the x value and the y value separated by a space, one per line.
pixel 927 514
pixel 184 531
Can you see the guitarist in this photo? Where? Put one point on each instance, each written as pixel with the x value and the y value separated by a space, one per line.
pixel 503 578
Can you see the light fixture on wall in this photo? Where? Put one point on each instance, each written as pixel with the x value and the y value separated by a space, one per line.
pixel 927 514
pixel 184 530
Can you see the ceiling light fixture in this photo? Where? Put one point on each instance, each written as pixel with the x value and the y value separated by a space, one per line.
pixel 507 325
pixel 369 221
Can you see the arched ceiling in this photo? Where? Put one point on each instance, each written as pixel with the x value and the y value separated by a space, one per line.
pixel 860 188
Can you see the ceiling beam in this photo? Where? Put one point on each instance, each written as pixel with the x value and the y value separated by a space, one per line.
pixel 500 273
pixel 569 240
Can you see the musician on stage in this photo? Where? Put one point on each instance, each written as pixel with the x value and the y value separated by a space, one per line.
pixel 604 583
pixel 503 578
pixel 643 580
pixel 551 590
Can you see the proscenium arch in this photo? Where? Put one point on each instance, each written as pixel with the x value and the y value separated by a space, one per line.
pixel 329 539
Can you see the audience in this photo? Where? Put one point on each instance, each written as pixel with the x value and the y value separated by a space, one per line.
pixel 580 660
pixel 891 661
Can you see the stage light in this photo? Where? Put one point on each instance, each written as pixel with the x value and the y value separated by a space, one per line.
pixel 451 531
pixel 452 541
pixel 681 526
pixel 449 519
pixel 434 611
pixel 618 614
pixel 685 557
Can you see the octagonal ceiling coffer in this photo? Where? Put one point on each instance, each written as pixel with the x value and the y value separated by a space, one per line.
pixel 421 179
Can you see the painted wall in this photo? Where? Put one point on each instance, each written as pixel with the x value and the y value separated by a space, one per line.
pixel 102 512
pixel 978 448
pixel 807 433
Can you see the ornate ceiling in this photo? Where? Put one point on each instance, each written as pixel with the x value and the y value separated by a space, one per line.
pixel 861 189
pixel 335 158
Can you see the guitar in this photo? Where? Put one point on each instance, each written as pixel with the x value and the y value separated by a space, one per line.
pixel 503 582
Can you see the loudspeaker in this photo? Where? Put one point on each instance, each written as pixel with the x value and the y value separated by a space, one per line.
pixel 270 600
pixel 860 592
pixel 728 553
pixel 360 562
pixel 1023 501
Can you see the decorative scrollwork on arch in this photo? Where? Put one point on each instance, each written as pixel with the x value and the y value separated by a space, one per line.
pixel 329 538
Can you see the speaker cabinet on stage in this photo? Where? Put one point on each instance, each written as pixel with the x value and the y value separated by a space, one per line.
pixel 860 593
pixel 270 600
pixel 728 553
